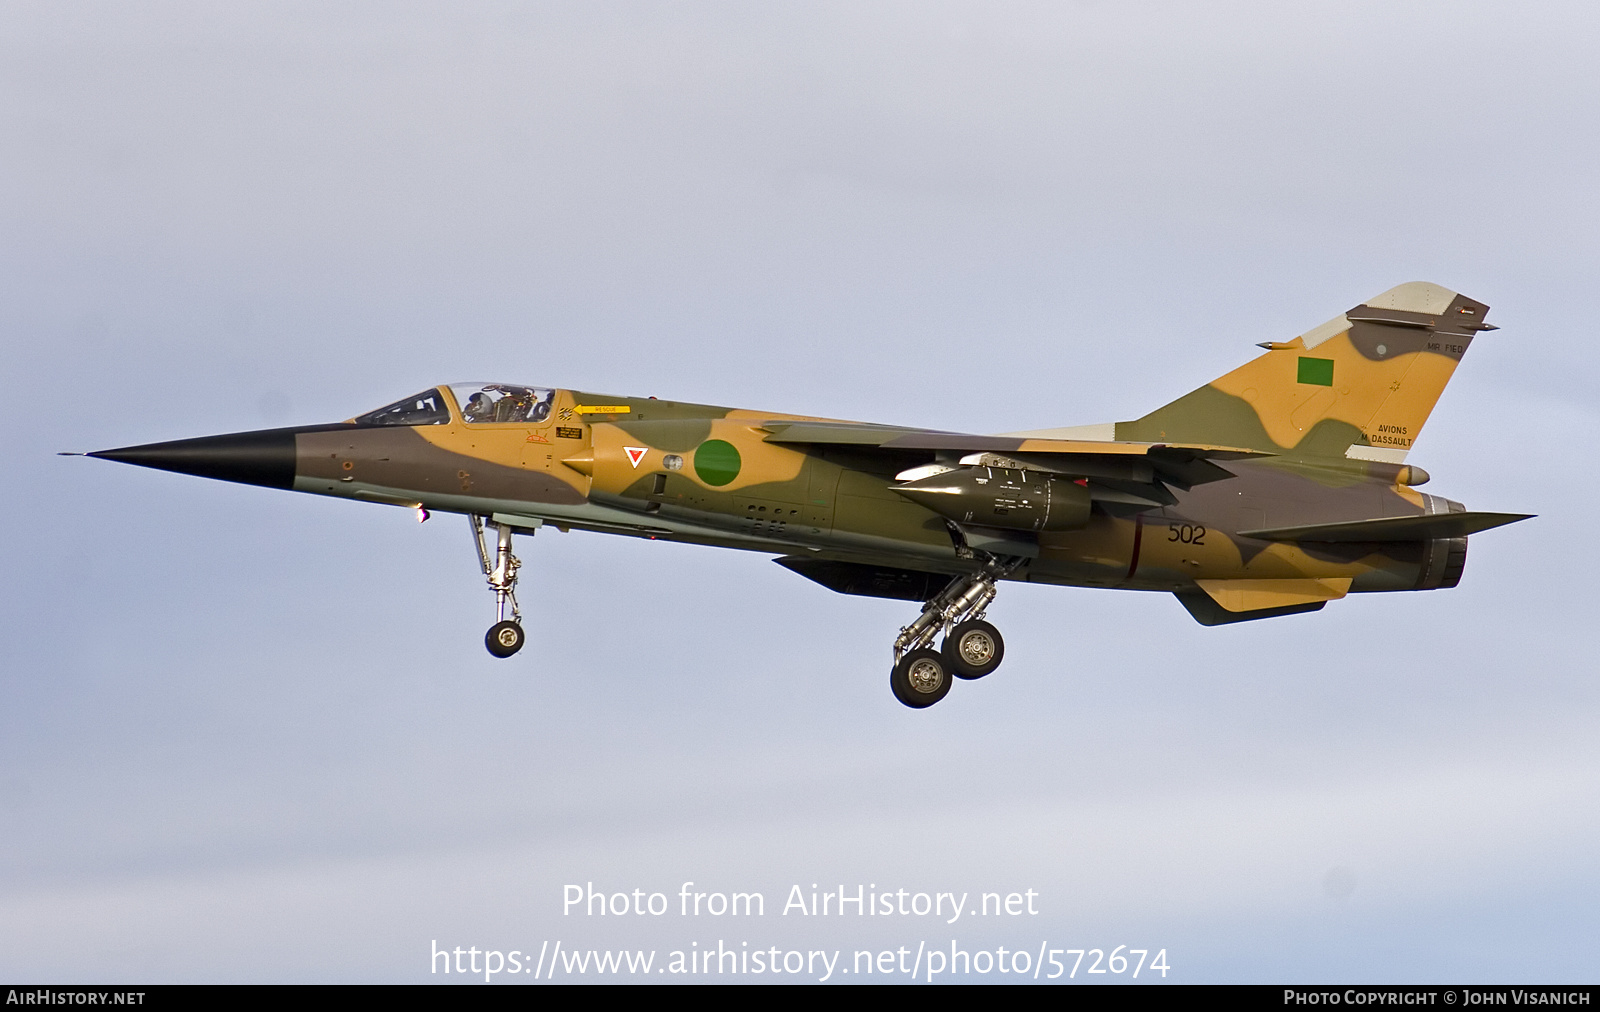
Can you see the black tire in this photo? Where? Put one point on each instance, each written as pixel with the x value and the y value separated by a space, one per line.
pixel 504 639
pixel 920 679
pixel 974 649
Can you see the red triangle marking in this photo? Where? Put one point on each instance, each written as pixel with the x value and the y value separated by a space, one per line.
pixel 635 453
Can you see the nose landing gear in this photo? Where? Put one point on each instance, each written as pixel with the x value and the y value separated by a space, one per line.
pixel 972 648
pixel 505 637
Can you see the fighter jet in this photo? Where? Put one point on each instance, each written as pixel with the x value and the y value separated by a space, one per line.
pixel 1271 491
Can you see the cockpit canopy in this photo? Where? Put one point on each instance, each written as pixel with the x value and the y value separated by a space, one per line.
pixel 426 408
pixel 502 402
pixel 480 403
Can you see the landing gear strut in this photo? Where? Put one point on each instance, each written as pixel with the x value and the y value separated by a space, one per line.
pixel 505 637
pixel 972 647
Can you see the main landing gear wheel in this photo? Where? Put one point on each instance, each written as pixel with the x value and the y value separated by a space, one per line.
pixel 920 679
pixel 504 639
pixel 973 649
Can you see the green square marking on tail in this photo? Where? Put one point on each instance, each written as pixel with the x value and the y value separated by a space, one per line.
pixel 1318 371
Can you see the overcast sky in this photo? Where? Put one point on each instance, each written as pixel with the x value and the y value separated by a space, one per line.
pixel 247 735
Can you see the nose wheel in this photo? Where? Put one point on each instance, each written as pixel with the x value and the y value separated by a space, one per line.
pixel 505 637
pixel 972 648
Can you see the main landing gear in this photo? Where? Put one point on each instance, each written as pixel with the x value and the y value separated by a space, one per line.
pixel 972 647
pixel 505 637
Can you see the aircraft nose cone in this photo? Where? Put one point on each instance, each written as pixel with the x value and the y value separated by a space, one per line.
pixel 265 457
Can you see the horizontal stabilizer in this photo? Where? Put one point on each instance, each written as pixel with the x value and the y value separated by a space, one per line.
pixel 1418 528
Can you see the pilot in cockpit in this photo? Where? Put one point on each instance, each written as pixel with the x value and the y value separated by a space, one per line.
pixel 479 408
pixel 502 403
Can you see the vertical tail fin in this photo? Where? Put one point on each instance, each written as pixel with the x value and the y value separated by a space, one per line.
pixel 1359 386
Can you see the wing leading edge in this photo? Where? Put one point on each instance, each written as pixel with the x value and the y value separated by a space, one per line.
pixel 1123 477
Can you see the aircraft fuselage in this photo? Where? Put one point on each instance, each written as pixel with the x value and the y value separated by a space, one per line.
pixel 709 475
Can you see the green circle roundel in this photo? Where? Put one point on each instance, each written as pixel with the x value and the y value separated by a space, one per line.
pixel 717 462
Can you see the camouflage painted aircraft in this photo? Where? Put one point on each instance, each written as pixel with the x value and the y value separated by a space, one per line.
pixel 1270 491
